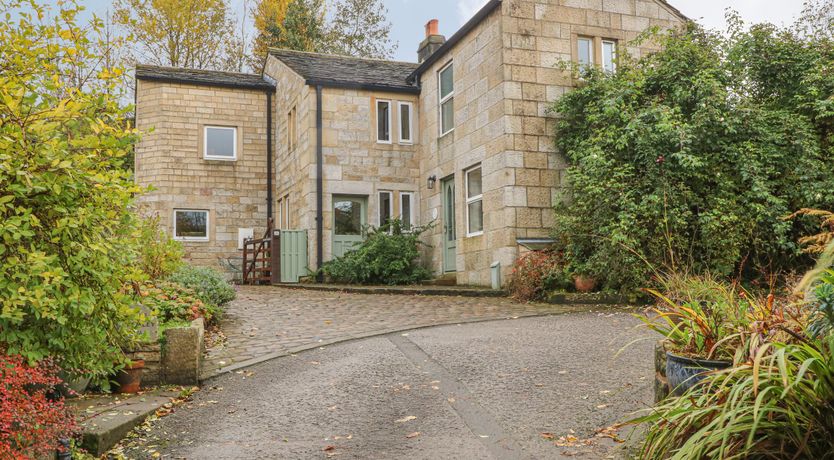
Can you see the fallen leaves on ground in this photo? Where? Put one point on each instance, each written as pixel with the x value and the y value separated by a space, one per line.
pixel 406 419
pixel 413 435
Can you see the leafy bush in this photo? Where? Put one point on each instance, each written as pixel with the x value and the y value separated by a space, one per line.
pixel 31 419
pixel 159 254
pixel 208 285
pixel 389 255
pixel 691 157
pixel 171 302
pixel 67 242
pixel 535 274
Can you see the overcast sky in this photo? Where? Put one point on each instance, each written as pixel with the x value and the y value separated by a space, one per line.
pixel 409 16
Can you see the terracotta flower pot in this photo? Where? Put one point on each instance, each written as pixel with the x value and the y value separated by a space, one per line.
pixel 584 284
pixel 130 378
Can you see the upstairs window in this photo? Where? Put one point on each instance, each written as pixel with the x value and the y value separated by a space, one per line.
pixel 405 123
pixel 446 78
pixel 191 225
pixel 474 202
pixel 585 52
pixel 220 143
pixel 383 122
pixel 609 56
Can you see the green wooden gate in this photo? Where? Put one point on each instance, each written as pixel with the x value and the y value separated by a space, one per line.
pixel 293 255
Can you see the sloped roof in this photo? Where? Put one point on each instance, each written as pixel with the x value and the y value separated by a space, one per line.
pixel 348 72
pixel 203 77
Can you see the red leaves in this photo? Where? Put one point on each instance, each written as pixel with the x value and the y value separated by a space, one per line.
pixel 30 422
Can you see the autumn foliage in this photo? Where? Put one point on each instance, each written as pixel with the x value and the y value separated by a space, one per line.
pixel 30 421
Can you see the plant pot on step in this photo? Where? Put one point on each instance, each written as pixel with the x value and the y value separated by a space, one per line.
pixel 130 378
pixel 584 284
pixel 683 373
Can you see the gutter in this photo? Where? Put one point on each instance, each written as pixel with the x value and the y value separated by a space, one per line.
pixel 363 86
pixel 319 185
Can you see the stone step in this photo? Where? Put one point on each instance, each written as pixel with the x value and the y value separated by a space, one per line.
pixel 106 419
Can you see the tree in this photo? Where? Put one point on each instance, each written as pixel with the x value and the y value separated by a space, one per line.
pixel 361 28
pixel 358 28
pixel 66 230
pixel 690 158
pixel 196 34
pixel 290 24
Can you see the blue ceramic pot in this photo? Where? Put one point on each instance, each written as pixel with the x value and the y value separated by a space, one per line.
pixel 683 373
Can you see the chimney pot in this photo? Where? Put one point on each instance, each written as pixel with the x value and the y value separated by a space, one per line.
pixel 432 28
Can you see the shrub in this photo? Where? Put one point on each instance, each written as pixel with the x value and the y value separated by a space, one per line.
pixel 691 157
pixel 208 285
pixel 535 274
pixel 67 243
pixel 31 419
pixel 159 254
pixel 174 303
pixel 389 255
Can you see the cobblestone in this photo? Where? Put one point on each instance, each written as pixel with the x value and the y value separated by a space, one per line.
pixel 266 322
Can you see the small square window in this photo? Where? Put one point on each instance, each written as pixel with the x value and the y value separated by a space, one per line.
pixel 383 121
pixel 191 225
pixel 220 143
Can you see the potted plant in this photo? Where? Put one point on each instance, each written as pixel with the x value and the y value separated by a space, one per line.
pixel 708 325
pixel 584 283
pixel 130 378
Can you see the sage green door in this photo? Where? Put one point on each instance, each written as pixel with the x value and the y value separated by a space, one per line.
pixel 450 241
pixel 350 215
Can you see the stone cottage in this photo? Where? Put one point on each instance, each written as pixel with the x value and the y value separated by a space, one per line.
pixel 328 144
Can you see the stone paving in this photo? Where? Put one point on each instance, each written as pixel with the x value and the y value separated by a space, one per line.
pixel 266 322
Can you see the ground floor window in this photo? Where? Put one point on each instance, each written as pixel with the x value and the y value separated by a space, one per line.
pixel 191 224
pixel 474 202
pixel 284 213
pixel 407 209
pixel 386 207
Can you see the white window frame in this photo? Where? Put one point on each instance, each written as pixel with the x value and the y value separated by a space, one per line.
pixel 613 55
pixel 473 199
pixel 591 51
pixel 280 214
pixel 390 139
pixel 206 156
pixel 192 238
pixel 443 100
pixel 410 106
pixel 379 207
pixel 285 225
pixel 411 212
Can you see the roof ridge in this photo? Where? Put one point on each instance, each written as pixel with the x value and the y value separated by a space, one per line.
pixel 190 69
pixel 339 56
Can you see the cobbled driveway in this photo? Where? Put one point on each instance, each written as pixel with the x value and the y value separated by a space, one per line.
pixel 266 322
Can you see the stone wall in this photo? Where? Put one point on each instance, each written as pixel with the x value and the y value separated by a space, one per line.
pixel 169 157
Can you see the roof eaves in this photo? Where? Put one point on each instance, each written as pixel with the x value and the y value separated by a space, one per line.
pixel 454 39
pixel 147 73
pixel 363 86
pixel 674 10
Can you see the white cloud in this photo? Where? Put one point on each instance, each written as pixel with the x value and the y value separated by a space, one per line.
pixel 468 8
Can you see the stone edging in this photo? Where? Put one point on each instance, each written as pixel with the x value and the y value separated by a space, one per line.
pixel 405 290
pixel 281 354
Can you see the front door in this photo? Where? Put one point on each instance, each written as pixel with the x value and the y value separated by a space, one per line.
pixel 449 235
pixel 349 218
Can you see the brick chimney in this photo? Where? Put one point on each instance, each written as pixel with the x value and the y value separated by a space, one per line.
pixel 432 42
